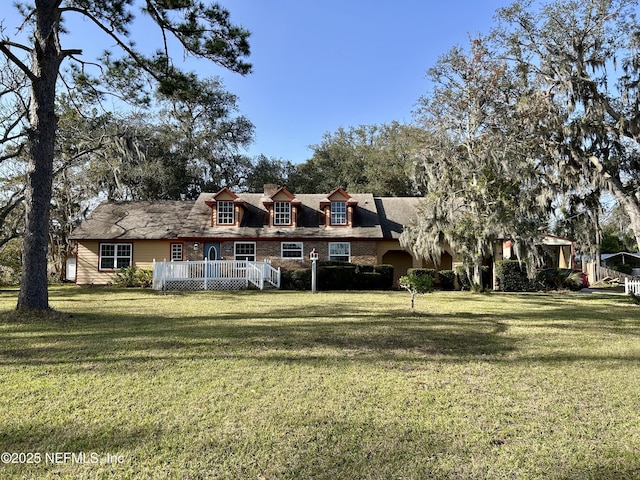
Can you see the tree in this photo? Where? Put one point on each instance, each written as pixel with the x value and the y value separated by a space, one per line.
pixel 202 31
pixel 373 158
pixel 582 56
pixel 476 163
pixel 415 283
pixel 270 171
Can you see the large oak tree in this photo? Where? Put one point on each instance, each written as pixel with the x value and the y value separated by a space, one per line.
pixel 200 30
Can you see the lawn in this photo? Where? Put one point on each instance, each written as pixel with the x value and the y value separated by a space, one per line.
pixel 259 385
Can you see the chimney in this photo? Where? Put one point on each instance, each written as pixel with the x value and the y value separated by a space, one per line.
pixel 270 189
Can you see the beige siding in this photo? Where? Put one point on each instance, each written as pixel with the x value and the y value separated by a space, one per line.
pixel 144 251
pixel 87 268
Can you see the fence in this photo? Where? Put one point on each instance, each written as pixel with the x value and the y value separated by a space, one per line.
pixel 631 286
pixel 214 275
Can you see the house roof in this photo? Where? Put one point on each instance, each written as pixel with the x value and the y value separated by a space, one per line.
pixel 134 221
pixel 366 222
pixel 609 256
pixel 373 218
pixel 394 213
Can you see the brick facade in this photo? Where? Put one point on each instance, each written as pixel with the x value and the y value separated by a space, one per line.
pixel 362 252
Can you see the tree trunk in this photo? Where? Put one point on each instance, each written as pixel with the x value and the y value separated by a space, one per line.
pixel 45 64
pixel 630 204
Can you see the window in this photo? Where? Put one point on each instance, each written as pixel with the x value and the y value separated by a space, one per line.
pixel 114 256
pixel 245 251
pixel 282 213
pixel 338 213
pixel 292 250
pixel 225 213
pixel 340 252
pixel 176 252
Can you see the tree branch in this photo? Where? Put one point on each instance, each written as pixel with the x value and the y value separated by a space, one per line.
pixel 4 48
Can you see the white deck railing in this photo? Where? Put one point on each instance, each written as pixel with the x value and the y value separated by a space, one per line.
pixel 631 286
pixel 214 275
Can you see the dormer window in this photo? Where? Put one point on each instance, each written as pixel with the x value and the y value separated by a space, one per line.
pixel 338 213
pixel 225 212
pixel 338 209
pixel 227 209
pixel 282 207
pixel 282 213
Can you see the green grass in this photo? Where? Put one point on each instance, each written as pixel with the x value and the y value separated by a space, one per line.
pixel 333 385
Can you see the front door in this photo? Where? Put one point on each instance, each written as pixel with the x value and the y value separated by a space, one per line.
pixel 212 251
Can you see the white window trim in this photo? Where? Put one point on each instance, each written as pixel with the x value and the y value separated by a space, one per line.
pixel 282 250
pixel 334 212
pixel 224 213
pixel 340 243
pixel 177 248
pixel 285 214
pixel 235 250
pixel 115 256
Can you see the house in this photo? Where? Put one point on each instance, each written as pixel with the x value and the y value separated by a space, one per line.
pixel 626 262
pixel 275 226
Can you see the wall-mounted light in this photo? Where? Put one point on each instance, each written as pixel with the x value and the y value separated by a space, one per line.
pixel 196 246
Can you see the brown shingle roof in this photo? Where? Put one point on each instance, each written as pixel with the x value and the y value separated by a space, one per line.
pixel 374 218
pixel 134 221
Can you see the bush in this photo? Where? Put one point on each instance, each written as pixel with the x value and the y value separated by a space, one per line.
pixel 447 279
pixel 628 269
pixel 559 279
pixel 299 279
pixel 386 271
pixel 512 276
pixel 420 272
pixel 465 282
pixel 368 281
pixel 337 277
pixel 417 280
pixel 133 276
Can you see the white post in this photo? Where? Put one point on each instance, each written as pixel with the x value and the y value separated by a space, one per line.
pixel 206 271
pixel 313 255
pixel 626 285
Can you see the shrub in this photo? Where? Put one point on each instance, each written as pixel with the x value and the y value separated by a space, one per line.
pixel 339 276
pixel 417 280
pixel 628 269
pixel 512 276
pixel 369 281
pixel 133 276
pixel 336 277
pixel 447 279
pixel 558 279
pixel 299 279
pixel 386 271
pixel 465 281
pixel 420 272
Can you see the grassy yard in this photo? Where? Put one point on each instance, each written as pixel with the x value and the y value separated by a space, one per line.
pixel 334 385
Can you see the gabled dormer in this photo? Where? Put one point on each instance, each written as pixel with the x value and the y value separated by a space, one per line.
pixel 227 209
pixel 282 207
pixel 338 209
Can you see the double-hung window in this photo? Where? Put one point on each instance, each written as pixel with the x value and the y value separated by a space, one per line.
pixel 340 251
pixel 114 256
pixel 176 252
pixel 282 213
pixel 245 251
pixel 225 213
pixel 338 213
pixel 291 250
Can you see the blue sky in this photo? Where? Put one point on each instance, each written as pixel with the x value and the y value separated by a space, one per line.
pixel 322 65
pixel 318 66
